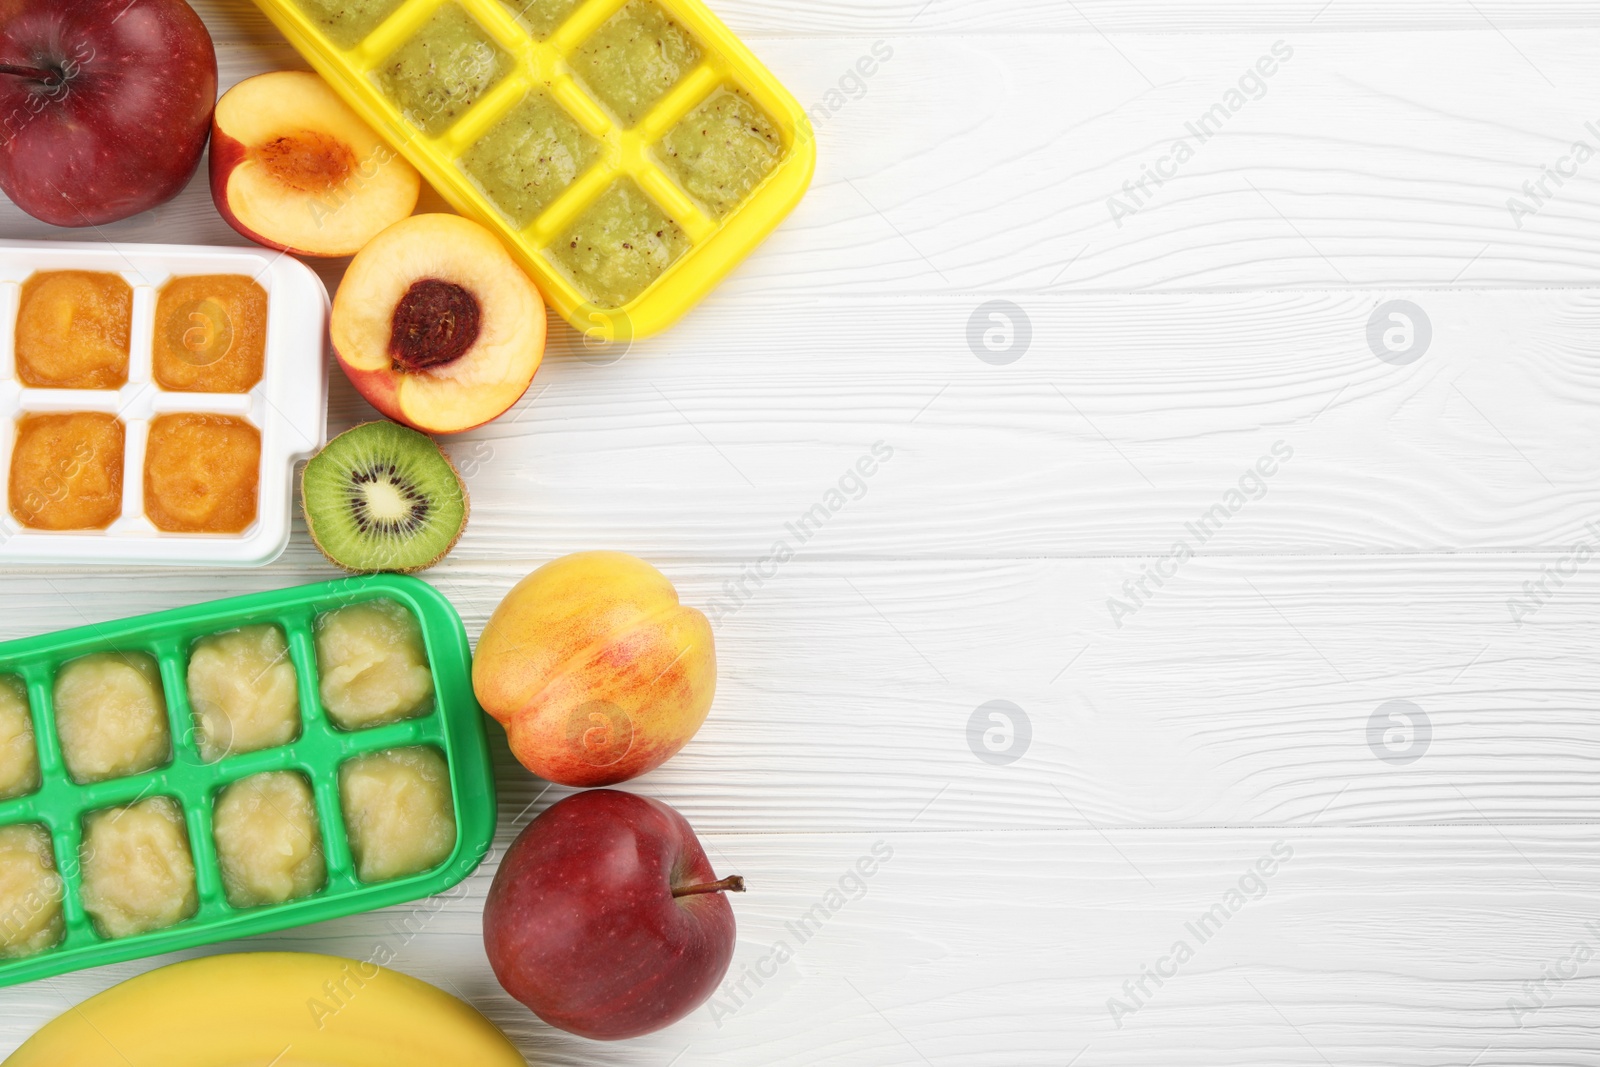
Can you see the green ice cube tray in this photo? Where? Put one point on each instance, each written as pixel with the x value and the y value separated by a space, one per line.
pixel 455 726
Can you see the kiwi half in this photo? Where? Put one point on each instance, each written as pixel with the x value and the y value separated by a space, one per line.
pixel 381 497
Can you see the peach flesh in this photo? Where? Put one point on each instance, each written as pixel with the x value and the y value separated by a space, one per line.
pixel 308 161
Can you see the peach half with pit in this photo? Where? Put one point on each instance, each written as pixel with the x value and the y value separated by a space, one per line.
pixel 437 326
pixel 294 168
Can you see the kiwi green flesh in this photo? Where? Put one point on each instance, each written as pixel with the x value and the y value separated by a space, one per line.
pixel 382 497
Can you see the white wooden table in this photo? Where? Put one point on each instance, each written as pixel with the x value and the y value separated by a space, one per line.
pixel 1432 862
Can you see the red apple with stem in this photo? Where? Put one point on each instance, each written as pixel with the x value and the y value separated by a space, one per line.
pixel 606 918
pixel 105 105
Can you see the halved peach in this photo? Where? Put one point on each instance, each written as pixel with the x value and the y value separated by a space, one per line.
pixel 294 168
pixel 437 326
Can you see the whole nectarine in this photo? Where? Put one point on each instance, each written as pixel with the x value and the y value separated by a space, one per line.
pixel 595 669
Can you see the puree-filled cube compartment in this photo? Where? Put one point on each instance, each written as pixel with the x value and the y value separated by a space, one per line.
pixel 269 846
pixel 346 22
pixel 722 150
pixel 137 872
pixel 398 813
pixel 373 665
pixel 243 692
pixel 529 158
pixel 202 474
pixel 210 334
pixel 620 245
pixel 111 716
pixel 19 759
pixel 541 17
pixel 444 69
pixel 635 58
pixel 74 330
pixel 66 471
pixel 30 892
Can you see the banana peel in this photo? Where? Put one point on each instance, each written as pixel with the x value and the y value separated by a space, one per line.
pixel 270 1009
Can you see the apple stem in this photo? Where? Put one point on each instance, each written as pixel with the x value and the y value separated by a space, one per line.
pixel 732 884
pixel 33 73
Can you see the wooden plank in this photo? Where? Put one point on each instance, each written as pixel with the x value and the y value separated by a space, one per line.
pixel 1243 692
pixel 1360 946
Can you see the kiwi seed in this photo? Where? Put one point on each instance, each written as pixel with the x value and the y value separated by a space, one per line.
pixel 382 497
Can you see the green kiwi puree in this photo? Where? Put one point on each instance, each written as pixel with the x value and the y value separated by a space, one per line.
pixel 449 65
pixel 346 22
pixel 542 17
pixel 634 58
pixel 619 246
pixel 529 157
pixel 722 150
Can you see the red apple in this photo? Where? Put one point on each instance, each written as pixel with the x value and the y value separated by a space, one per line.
pixel 606 919
pixel 105 105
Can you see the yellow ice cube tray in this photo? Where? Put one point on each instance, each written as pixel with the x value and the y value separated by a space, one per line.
pixel 371 32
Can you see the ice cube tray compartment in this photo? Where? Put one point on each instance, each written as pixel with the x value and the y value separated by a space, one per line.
pixel 288 406
pixel 717 245
pixel 454 726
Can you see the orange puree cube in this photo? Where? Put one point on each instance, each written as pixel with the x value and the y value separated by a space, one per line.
pixel 73 328
pixel 211 334
pixel 202 474
pixel 66 471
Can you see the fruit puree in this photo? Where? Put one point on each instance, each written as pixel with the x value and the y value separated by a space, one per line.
pixel 243 691
pixel 268 844
pixel 529 157
pixel 634 58
pixel 619 246
pixel 211 334
pixel 73 330
pixel 398 812
pixel 202 474
pixel 110 716
pixel 66 471
pixel 542 17
pixel 19 760
pixel 30 891
pixel 374 665
pixel 722 150
pixel 346 22
pixel 137 872
pixel 438 75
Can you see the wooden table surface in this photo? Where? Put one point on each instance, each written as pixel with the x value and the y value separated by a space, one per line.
pixel 1293 624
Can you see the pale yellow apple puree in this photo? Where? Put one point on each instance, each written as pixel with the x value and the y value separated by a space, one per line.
pixel 374 665
pixel 111 717
pixel 397 812
pixel 243 691
pixel 19 759
pixel 268 843
pixel 30 891
pixel 137 872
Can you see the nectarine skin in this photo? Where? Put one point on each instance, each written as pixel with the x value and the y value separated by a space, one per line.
pixel 595 669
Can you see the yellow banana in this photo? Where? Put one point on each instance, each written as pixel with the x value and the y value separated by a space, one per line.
pixel 283 1009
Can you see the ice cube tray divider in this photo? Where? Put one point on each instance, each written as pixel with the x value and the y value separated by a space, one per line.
pixel 455 726
pixel 718 244
pixel 288 406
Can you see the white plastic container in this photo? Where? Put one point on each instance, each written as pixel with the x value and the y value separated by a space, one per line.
pixel 289 406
